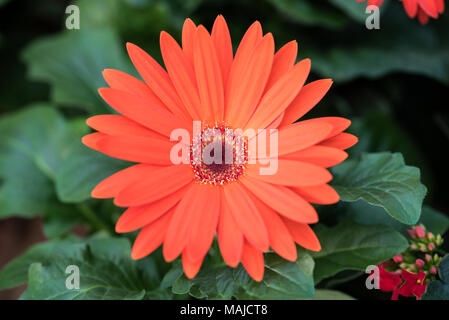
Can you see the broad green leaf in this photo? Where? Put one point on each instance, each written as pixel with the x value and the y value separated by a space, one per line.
pixel 82 171
pixel 72 63
pixel 351 246
pixel 439 289
pixel 105 265
pixel 363 213
pixel 326 294
pixel 382 179
pixel 15 272
pixel 282 280
pixel 39 150
pixel 434 221
pixel 33 143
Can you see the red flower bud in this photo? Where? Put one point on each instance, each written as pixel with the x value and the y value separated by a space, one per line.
pixel 420 232
pixel 411 233
pixel 420 263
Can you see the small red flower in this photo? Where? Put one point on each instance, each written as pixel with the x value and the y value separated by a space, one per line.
pixel 389 281
pixel 413 285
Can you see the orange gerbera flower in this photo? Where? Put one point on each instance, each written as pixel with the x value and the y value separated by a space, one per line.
pixel 421 8
pixel 184 205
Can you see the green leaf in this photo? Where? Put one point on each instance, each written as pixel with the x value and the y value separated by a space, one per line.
pixel 106 271
pixel 382 179
pixel 82 171
pixel 351 246
pixel 434 221
pixel 15 272
pixel 72 63
pixel 363 213
pixel 39 150
pixel 326 294
pixel 439 289
pixel 33 143
pixel 282 280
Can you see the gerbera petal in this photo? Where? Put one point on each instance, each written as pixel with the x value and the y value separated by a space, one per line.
pixel 246 215
pixel 303 235
pixel 112 185
pixel 307 98
pixel 223 46
pixel 277 99
pixel 411 7
pixel 242 58
pixel 190 209
pixel 242 95
pixel 157 79
pixel 188 36
pixel 319 155
pixel 159 185
pixel 204 224
pixel 182 75
pixel 208 75
pixel 151 237
pixel 191 267
pixel 291 173
pixel 136 149
pixel 283 61
pixel 117 125
pixel 301 135
pixel 91 140
pixel 280 239
pixel 282 200
pixel 122 81
pixel 139 216
pixel 341 141
pixel 230 238
pixel 252 260
pixel 322 194
pixel 146 112
pixel 338 124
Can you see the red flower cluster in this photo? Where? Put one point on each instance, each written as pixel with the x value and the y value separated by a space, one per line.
pixel 423 9
pixel 405 283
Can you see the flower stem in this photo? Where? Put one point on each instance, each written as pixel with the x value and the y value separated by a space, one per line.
pixel 92 217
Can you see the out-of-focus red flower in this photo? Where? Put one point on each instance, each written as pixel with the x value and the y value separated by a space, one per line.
pixel 423 9
pixel 413 285
pixel 377 3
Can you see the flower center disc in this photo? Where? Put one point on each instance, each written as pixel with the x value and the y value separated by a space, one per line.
pixel 218 155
